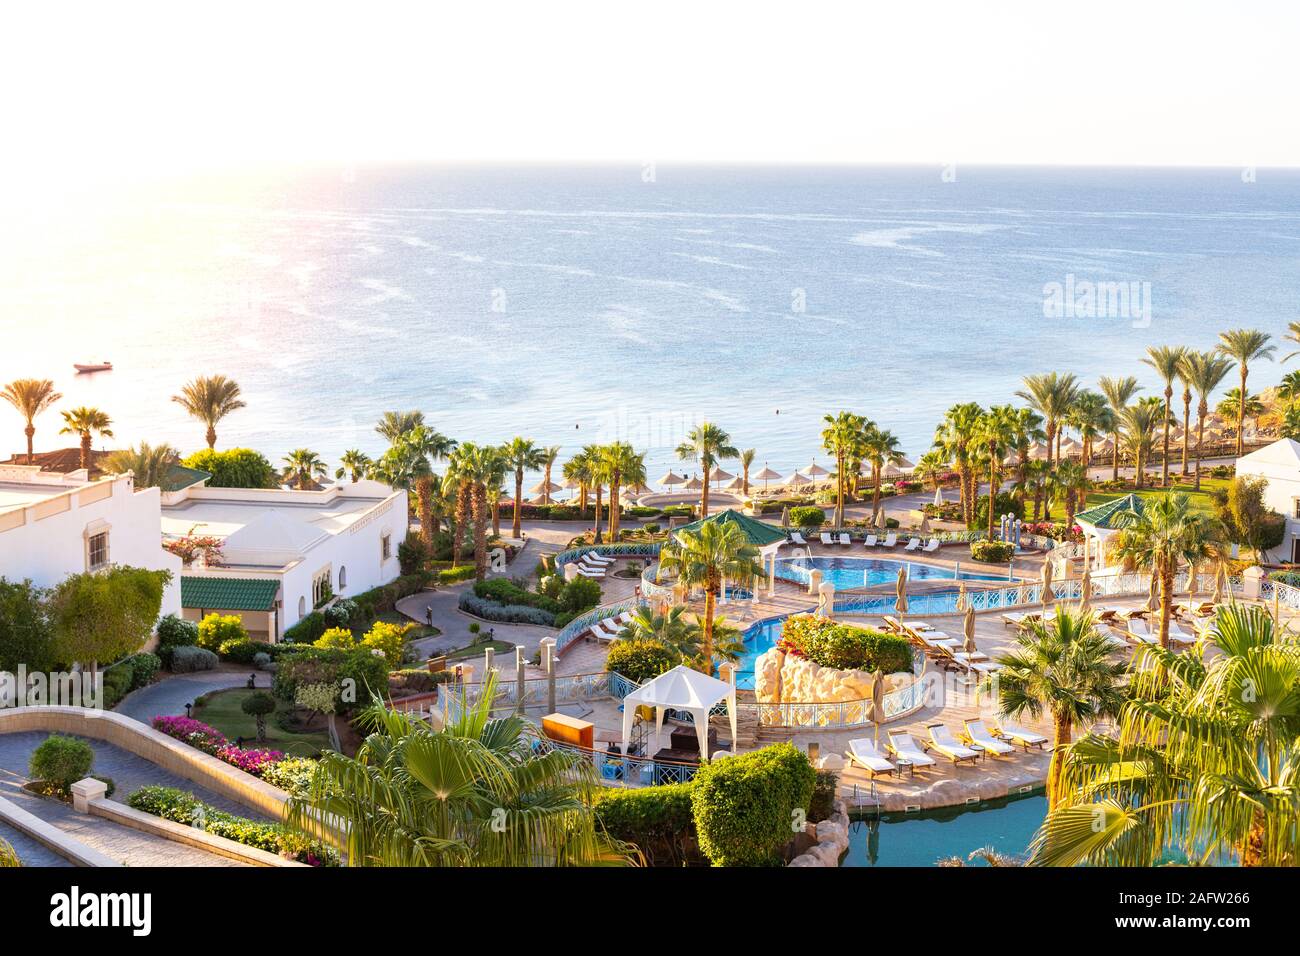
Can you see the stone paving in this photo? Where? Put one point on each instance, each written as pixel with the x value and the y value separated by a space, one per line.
pixel 170 695
pixel 31 852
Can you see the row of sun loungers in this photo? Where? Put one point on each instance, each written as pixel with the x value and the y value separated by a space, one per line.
pixel 942 648
pixel 593 565
pixel 977 739
pixel 890 540
pixel 610 628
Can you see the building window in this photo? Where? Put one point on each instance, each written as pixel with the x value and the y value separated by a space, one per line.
pixel 320 588
pixel 343 579
pixel 386 545
pixel 1295 508
pixel 302 608
pixel 97 551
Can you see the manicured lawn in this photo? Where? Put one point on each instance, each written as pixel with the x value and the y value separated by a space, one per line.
pixel 477 650
pixel 1201 500
pixel 221 710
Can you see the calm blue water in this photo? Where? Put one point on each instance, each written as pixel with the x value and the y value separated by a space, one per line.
pixel 922 839
pixel 852 572
pixel 583 304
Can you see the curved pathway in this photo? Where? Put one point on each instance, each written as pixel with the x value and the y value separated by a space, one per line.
pixel 170 695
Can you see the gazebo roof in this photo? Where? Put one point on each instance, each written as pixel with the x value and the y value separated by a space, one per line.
pixel 759 533
pixel 682 688
pixel 1106 515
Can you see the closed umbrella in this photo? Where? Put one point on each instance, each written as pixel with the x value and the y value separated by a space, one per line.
pixel 968 629
pixel 1048 594
pixel 900 590
pixel 1153 598
pixel 925 524
pixel 878 700
pixel 785 517
pixel 961 596
pixel 938 496
pixel 1217 596
pixel 1085 589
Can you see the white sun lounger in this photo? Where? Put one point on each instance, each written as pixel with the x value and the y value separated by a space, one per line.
pixel 1139 632
pixel 845 539
pixel 865 753
pixel 913 544
pixel 1020 618
pixel 1178 636
pixel 931 546
pixel 797 538
pixel 891 539
pixel 591 557
pixel 904 747
pixel 587 572
pixel 942 740
pixel 977 733
pixel 1018 735
pixel 826 538
pixel 870 542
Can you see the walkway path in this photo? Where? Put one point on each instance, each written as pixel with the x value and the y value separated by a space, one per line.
pixel 171 694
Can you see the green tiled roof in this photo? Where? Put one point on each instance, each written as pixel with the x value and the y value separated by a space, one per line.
pixel 759 533
pixel 228 594
pixel 178 477
pixel 1106 514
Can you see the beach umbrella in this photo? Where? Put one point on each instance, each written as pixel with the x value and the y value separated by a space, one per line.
pixel 672 478
pixel 1038 451
pixel 1153 598
pixel 1070 447
pixel 1048 594
pixel 925 524
pixel 719 475
pixel 815 470
pixel 938 496
pixel 736 484
pixel 895 470
pixel 694 484
pixel 968 630
pixel 1013 458
pixel 766 475
pixel 542 488
pixel 878 700
pixel 900 590
pixel 785 517
pixel 797 480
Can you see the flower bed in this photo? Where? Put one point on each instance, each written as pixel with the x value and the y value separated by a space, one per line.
pixel 208 739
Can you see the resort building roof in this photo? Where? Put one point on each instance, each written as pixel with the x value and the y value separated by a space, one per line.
pixel 760 533
pixel 229 594
pixel 1106 515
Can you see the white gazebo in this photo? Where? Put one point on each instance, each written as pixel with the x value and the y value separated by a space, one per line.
pixel 681 689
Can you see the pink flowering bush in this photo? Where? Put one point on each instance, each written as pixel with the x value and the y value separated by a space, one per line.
pixel 250 761
pixel 203 737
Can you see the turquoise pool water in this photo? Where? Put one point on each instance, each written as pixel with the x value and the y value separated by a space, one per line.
pixel 855 572
pixel 922 839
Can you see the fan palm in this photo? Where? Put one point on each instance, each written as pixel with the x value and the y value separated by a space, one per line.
pixel 1137 432
pixel 841 437
pixel 1205 372
pixel 1246 346
pixel 578 470
pixel 417 445
pixel 393 425
pixel 879 448
pixel 353 463
pixel 1205 761
pixel 522 455
pixel 1051 394
pixel 474 793
pixel 1119 392
pixel 302 466
pixel 1233 406
pixel 1165 359
pixel 1063 667
pixel 708 444
pixel 1292 335
pixel 30 397
pixel 151 465
pixel 705 558
pixel 1166 533
pixel 210 398
pixel 1091 416
pixel 478 466
pixel 1072 485
pixel 85 422
pixel 1028 427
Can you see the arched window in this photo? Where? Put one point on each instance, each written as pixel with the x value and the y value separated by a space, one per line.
pixel 343 577
pixel 302 608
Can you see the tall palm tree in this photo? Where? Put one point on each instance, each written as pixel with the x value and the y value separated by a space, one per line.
pixel 578 470
pixel 30 397
pixel 498 467
pixel 1072 485
pixel 1165 359
pixel 746 460
pixel 1027 425
pixel 1185 379
pixel 1289 388
pixel 880 448
pixel 597 472
pixel 1232 405
pixel 623 466
pixel 413 448
pixel 1119 392
pixel 1062 667
pixel 708 444
pixel 302 465
pixel 1167 532
pixel 460 492
pixel 953 438
pixel 353 463
pixel 929 467
pixel 1291 335
pixel 995 433
pixel 473 793
pixel 1137 431
pixel 475 467
pixel 1204 761
pixel 210 398
pixel 522 456
pixel 150 464
pixel 550 454
pixel 841 436
pixel 1090 416
pixel 704 559
pixel 1051 394
pixel 1205 372
pixel 393 425
pixel 85 422
pixel 1245 346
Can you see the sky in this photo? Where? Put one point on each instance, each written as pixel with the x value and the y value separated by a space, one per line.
pixel 128 90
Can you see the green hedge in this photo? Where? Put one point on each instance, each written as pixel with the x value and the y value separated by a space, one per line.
pixel 992 552
pixel 807 516
pixel 61 761
pixel 641 660
pixel 304 664
pixel 845 646
pixel 660 821
pixel 745 806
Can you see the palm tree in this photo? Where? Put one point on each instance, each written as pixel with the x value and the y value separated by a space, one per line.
pixel 953 438
pixel 1063 667
pixel 746 460
pixel 1165 359
pixel 522 455
pixel 578 470
pixel 841 436
pixel 1027 425
pixel 84 422
pixel 704 559
pixel 1245 345
pixel 1204 761
pixel 30 397
pixel 150 464
pixel 413 447
pixel 671 628
pixel 1289 388
pixel 708 444
pixel 1119 392
pixel 1205 372
pixel 210 398
pixel 1166 533
pixel 1090 416
pixel 1292 335
pixel 1051 394
pixel 623 466
pixel 475 467
pixel 597 473
pixel 354 463
pixel 474 793
pixel 929 467
pixel 1185 379
pixel 880 448
pixel 393 425
pixel 497 469
pixel 1072 484
pixel 549 456
pixel 459 489
pixel 995 433
pixel 1137 425
pixel 1232 406
pixel 302 465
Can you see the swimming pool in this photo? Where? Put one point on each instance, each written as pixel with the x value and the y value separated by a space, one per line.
pixel 923 839
pixel 856 572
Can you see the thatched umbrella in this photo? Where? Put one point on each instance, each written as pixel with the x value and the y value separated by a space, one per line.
pixel 766 475
pixel 798 481
pixel 1048 594
pixel 815 470
pixel 968 629
pixel 900 591
pixel 670 479
pixel 878 700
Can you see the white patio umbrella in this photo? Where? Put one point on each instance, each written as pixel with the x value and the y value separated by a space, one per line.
pixel 672 478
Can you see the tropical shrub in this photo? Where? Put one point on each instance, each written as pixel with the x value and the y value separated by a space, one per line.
pixel 173 632
pixel 243 650
pixel 258 706
pixel 105 615
pixel 61 761
pixel 471 603
pixel 844 646
pixel 342 613
pixel 306 631
pixel 807 516
pixel 187 659
pixel 144 667
pixel 234 468
pixel 456 575
pixel 825 789
pixel 744 806
pixel 292 774
pixel 340 637
pixel 660 821
pixel 1007 503
pixel 992 552
pixel 218 629
pixel 641 660
pixel 25 633
pixel 357 673
pixel 412 554
pixel 579 594
pixel 389 640
pixel 249 761
pixel 196 733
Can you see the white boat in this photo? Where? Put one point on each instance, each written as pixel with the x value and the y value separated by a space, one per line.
pixel 96 367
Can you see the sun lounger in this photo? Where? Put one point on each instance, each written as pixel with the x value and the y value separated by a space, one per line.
pixel 1018 735
pixel 1140 633
pixel 913 544
pixel 902 746
pixel 845 539
pixel 931 546
pixel 797 538
pixel 891 539
pixel 977 733
pixel 1178 636
pixel 1106 613
pixel 892 623
pixel 826 538
pixel 588 573
pixel 942 740
pixel 866 754
pixel 1020 618
pixel 591 557
pixel 870 541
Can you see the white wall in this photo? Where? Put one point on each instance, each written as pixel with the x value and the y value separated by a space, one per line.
pixel 1281 494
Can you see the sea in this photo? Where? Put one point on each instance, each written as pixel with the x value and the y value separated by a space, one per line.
pixel 585 304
